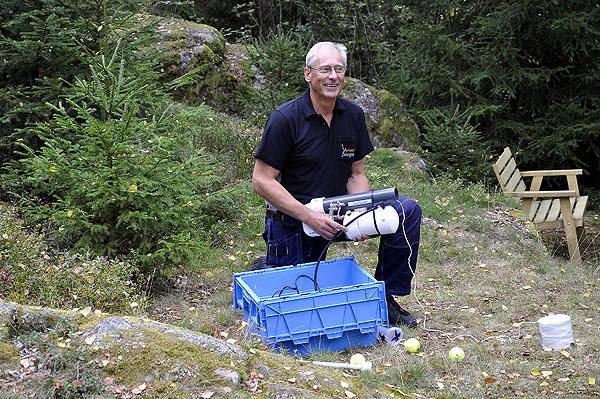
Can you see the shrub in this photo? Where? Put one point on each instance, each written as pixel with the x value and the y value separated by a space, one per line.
pixel 32 274
pixel 231 141
pixel 279 62
pixel 112 177
pixel 454 145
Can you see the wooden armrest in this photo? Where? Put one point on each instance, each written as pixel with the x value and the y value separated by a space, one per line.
pixel 558 172
pixel 535 194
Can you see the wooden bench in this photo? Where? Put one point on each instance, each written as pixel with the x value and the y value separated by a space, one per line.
pixel 562 209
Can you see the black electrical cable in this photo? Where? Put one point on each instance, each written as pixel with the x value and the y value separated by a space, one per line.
pixel 371 209
pixel 322 255
pixel 295 288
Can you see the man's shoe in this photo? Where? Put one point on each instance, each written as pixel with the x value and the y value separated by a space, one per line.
pixel 260 264
pixel 398 316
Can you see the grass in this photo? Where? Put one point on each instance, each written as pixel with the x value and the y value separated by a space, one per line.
pixel 483 280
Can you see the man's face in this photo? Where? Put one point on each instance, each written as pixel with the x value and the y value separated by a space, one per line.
pixel 326 86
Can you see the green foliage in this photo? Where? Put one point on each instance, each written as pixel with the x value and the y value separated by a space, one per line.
pixel 279 62
pixel 111 177
pixel 527 71
pixel 36 45
pixel 33 274
pixel 40 45
pixel 454 145
pixel 231 141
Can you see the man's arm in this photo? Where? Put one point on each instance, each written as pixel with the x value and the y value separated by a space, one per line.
pixel 265 184
pixel 357 182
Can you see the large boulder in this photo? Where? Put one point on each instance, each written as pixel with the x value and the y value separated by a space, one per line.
pixel 85 354
pixel 192 56
pixel 387 120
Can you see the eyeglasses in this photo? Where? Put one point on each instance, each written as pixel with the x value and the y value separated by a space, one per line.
pixel 326 70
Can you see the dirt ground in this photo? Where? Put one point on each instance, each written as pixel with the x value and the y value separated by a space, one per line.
pixel 589 243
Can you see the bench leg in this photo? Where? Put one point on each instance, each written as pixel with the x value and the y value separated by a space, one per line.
pixel 570 231
pixel 580 231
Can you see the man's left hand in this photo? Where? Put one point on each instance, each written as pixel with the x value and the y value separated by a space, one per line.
pixel 362 237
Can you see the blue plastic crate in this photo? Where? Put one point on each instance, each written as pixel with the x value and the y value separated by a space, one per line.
pixel 345 313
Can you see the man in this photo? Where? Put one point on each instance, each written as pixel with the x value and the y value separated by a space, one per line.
pixel 313 147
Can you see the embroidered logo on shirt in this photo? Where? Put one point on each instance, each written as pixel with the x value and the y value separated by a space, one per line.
pixel 347 152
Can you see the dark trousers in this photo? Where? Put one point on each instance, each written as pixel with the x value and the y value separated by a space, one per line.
pixel 397 257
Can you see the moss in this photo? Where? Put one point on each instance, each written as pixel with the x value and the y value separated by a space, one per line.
pixel 369 122
pixel 26 320
pixel 206 82
pixel 143 355
pixel 395 123
pixel 178 363
pixel 8 354
pixel 391 126
pixel 173 368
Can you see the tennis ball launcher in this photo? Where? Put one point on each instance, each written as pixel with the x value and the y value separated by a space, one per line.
pixel 378 218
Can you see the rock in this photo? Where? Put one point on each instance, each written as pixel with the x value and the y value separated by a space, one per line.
pixel 233 376
pixel 193 55
pixel 387 120
pixel 218 76
pixel 131 354
pixel 414 162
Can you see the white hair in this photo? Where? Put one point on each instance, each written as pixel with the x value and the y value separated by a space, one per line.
pixel 312 53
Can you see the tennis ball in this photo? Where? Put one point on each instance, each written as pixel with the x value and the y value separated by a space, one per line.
pixel 357 359
pixel 456 354
pixel 412 345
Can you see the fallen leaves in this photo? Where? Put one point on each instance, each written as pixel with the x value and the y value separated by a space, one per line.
pixel 209 394
pixel 487 378
pixel 91 339
pixel 25 363
pixel 252 383
pixel 545 373
pixel 139 389
pixel 124 392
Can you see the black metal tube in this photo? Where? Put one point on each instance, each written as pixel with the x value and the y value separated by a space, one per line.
pixel 343 203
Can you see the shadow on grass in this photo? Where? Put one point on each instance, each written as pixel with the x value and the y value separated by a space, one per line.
pixel 589 243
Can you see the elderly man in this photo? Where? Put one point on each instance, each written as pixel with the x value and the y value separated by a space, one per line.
pixel 314 146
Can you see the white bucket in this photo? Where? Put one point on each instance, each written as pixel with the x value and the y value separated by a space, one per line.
pixel 389 335
pixel 380 221
pixel 556 331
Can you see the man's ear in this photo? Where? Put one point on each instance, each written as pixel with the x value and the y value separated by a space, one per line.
pixel 307 74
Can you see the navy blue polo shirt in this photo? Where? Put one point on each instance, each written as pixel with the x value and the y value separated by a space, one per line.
pixel 314 159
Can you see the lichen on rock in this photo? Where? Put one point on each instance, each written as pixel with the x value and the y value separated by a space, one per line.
pixel 388 121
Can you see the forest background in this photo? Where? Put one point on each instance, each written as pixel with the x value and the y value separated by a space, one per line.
pixel 113 191
pixel 97 155
pixel 476 76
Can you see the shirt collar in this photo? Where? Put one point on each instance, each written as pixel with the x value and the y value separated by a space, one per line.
pixel 308 109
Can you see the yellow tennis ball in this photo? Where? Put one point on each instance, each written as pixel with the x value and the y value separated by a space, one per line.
pixel 412 345
pixel 357 359
pixel 456 354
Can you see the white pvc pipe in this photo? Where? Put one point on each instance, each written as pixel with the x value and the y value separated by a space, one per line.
pixel 365 366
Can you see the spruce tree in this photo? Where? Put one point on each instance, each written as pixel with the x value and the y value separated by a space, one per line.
pixel 527 71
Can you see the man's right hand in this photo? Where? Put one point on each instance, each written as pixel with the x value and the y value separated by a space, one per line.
pixel 323 225
pixel 265 184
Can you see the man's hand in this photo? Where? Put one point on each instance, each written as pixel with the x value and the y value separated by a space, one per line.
pixel 323 225
pixel 362 237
